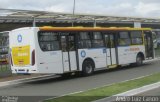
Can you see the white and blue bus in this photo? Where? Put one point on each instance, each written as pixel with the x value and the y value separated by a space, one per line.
pixel 62 50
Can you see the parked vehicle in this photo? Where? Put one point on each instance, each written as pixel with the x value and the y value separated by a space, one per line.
pixel 4 47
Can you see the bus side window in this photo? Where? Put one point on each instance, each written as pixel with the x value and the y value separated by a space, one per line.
pixel 48 41
pixel 97 40
pixel 64 43
pixel 112 42
pixel 84 40
pixel 136 37
pixel 71 43
pixel 124 39
pixel 43 46
pixel 109 40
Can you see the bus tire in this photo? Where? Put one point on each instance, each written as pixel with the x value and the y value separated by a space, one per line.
pixel 139 60
pixel 87 68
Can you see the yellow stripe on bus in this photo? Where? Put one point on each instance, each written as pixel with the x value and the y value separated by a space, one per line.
pixel 46 28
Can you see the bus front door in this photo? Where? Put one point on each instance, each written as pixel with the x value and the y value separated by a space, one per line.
pixel 68 53
pixel 148 44
pixel 111 49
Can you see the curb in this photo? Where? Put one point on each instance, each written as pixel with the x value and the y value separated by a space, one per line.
pixel 155 59
pixel 131 92
pixel 140 90
pixel 20 81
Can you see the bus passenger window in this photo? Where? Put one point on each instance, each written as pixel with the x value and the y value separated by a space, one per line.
pixel 64 43
pixel 48 41
pixel 136 37
pixel 112 42
pixel 84 40
pixel 124 39
pixel 97 40
pixel 109 40
pixel 71 43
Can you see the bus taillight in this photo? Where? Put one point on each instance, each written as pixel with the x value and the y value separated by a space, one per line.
pixel 33 57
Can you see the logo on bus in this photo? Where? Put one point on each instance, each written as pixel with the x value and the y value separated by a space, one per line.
pixel 83 53
pixel 19 38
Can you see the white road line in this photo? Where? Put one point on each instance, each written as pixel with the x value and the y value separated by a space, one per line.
pixel 131 92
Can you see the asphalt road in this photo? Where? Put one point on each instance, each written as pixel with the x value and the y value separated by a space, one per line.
pixel 59 86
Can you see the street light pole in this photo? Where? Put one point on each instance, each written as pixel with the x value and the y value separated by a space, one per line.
pixel 34 22
pixel 74 4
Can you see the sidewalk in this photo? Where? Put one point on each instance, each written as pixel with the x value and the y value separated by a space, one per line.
pixel 16 77
pixel 19 79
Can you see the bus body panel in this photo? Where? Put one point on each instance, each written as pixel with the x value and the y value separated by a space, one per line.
pixel 48 61
pixel 73 60
pixel 22 43
pixel 65 62
pixel 111 56
pixel 97 55
pixel 128 54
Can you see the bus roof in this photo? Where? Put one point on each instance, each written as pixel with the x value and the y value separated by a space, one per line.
pixel 90 28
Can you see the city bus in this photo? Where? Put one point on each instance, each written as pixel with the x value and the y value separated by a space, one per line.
pixel 61 50
pixel 4 47
pixel 156 38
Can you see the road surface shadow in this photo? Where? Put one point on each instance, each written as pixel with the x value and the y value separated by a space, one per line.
pixel 78 76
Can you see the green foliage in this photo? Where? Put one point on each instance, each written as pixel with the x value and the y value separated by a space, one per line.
pixel 102 92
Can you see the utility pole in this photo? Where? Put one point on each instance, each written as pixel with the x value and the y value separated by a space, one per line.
pixel 95 23
pixel 34 22
pixel 74 4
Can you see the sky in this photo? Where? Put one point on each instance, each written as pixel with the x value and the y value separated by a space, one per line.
pixel 129 8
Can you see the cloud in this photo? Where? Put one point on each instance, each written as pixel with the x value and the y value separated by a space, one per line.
pixel 136 8
pixel 148 9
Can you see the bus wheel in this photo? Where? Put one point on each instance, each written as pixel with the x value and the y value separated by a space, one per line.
pixel 87 68
pixel 139 60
